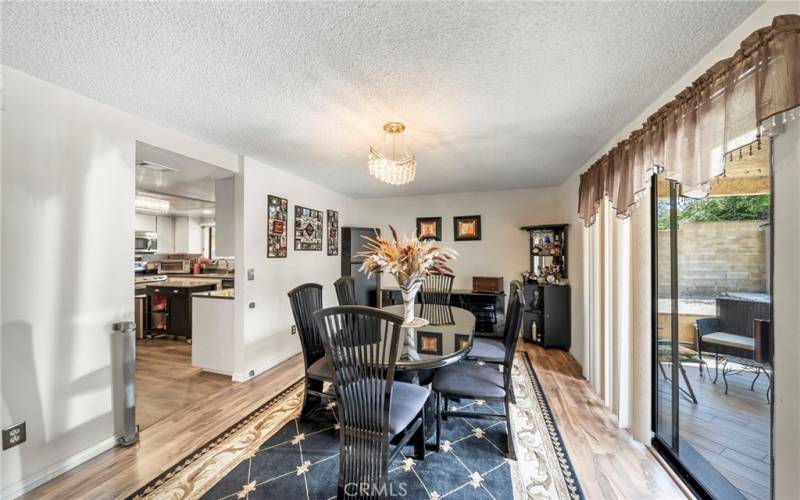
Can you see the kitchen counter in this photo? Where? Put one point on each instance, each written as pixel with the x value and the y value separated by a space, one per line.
pixel 227 293
pixel 216 276
pixel 170 283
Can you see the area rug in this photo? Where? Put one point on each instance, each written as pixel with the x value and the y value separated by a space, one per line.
pixel 271 454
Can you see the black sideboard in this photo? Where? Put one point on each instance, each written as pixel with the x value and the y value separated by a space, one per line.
pixel 488 308
pixel 546 320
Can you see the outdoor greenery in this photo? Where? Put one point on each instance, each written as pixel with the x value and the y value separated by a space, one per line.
pixel 726 208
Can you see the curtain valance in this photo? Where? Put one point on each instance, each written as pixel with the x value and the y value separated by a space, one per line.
pixel 689 136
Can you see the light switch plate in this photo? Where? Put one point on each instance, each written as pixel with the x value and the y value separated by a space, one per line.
pixel 14 435
pixel 294 329
pixel 251 274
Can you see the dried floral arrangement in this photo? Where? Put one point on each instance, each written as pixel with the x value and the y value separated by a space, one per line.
pixel 408 259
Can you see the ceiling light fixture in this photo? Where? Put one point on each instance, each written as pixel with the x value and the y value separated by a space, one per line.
pixel 152 205
pixel 384 163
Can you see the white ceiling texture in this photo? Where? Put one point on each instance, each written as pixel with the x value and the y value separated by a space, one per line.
pixel 494 95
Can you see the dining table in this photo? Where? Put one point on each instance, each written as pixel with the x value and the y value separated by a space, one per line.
pixel 445 339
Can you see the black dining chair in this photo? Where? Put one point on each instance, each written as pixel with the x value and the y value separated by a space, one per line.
pixel 494 350
pixel 305 301
pixel 436 289
pixel 374 410
pixel 346 291
pixel 474 381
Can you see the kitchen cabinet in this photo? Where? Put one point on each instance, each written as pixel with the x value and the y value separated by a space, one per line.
pixel 188 235
pixel 165 227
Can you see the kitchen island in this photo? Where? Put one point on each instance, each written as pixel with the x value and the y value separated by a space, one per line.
pixel 212 317
pixel 169 307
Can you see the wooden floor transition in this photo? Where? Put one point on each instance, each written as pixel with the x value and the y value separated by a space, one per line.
pixel 608 462
pixel 166 381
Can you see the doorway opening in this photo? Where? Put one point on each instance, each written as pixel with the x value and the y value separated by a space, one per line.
pixel 184 277
pixel 712 341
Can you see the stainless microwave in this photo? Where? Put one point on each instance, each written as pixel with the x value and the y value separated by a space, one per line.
pixel 146 242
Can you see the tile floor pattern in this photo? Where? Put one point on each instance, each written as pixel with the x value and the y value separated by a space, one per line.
pixel 301 462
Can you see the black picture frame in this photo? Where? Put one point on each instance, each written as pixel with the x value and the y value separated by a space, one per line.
pixel 458 235
pixel 437 236
pixel 333 232
pixel 308 227
pixel 277 227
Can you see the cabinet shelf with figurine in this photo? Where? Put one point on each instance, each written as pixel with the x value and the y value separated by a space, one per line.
pixel 547 313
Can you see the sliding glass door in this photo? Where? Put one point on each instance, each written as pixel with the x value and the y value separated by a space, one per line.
pixel 712 344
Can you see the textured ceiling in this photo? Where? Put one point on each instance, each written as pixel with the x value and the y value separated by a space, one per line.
pixel 494 95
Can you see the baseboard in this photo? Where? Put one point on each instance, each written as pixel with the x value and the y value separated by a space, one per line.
pixel 34 480
pixel 241 377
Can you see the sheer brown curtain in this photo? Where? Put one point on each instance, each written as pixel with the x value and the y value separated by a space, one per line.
pixel 689 136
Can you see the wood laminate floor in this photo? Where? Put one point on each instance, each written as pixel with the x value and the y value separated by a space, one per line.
pixel 731 431
pixel 608 462
pixel 166 381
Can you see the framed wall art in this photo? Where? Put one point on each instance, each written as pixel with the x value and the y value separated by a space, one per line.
pixel 307 229
pixel 277 221
pixel 467 227
pixel 429 228
pixel 333 232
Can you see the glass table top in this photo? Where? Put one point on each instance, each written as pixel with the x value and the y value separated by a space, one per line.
pixel 446 339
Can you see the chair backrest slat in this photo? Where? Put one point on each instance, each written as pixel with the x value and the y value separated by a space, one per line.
pixel 346 291
pixel 516 307
pixel 305 300
pixel 436 289
pixel 362 345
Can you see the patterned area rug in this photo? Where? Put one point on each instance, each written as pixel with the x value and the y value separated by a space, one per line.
pixel 272 454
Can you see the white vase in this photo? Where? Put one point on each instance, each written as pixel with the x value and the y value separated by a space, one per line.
pixel 409 292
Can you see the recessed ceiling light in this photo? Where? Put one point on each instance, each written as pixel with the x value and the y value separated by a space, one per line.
pixel 157 167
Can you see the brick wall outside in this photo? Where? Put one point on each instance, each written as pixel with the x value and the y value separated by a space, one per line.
pixel 715 257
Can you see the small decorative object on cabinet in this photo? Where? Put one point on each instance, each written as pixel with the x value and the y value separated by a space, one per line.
pixel 429 228
pixel 547 317
pixel 467 227
pixel 490 285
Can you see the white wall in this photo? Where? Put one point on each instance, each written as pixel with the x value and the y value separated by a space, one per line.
pixel 786 290
pixel 265 330
pixel 67 245
pixel 503 248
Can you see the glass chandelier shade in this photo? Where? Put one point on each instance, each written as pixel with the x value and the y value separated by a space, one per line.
pixel 385 164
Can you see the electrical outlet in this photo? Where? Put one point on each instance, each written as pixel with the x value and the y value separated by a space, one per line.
pixel 252 305
pixel 294 329
pixel 14 435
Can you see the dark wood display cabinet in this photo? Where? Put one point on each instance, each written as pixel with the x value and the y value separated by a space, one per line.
pixel 169 309
pixel 352 243
pixel 547 317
